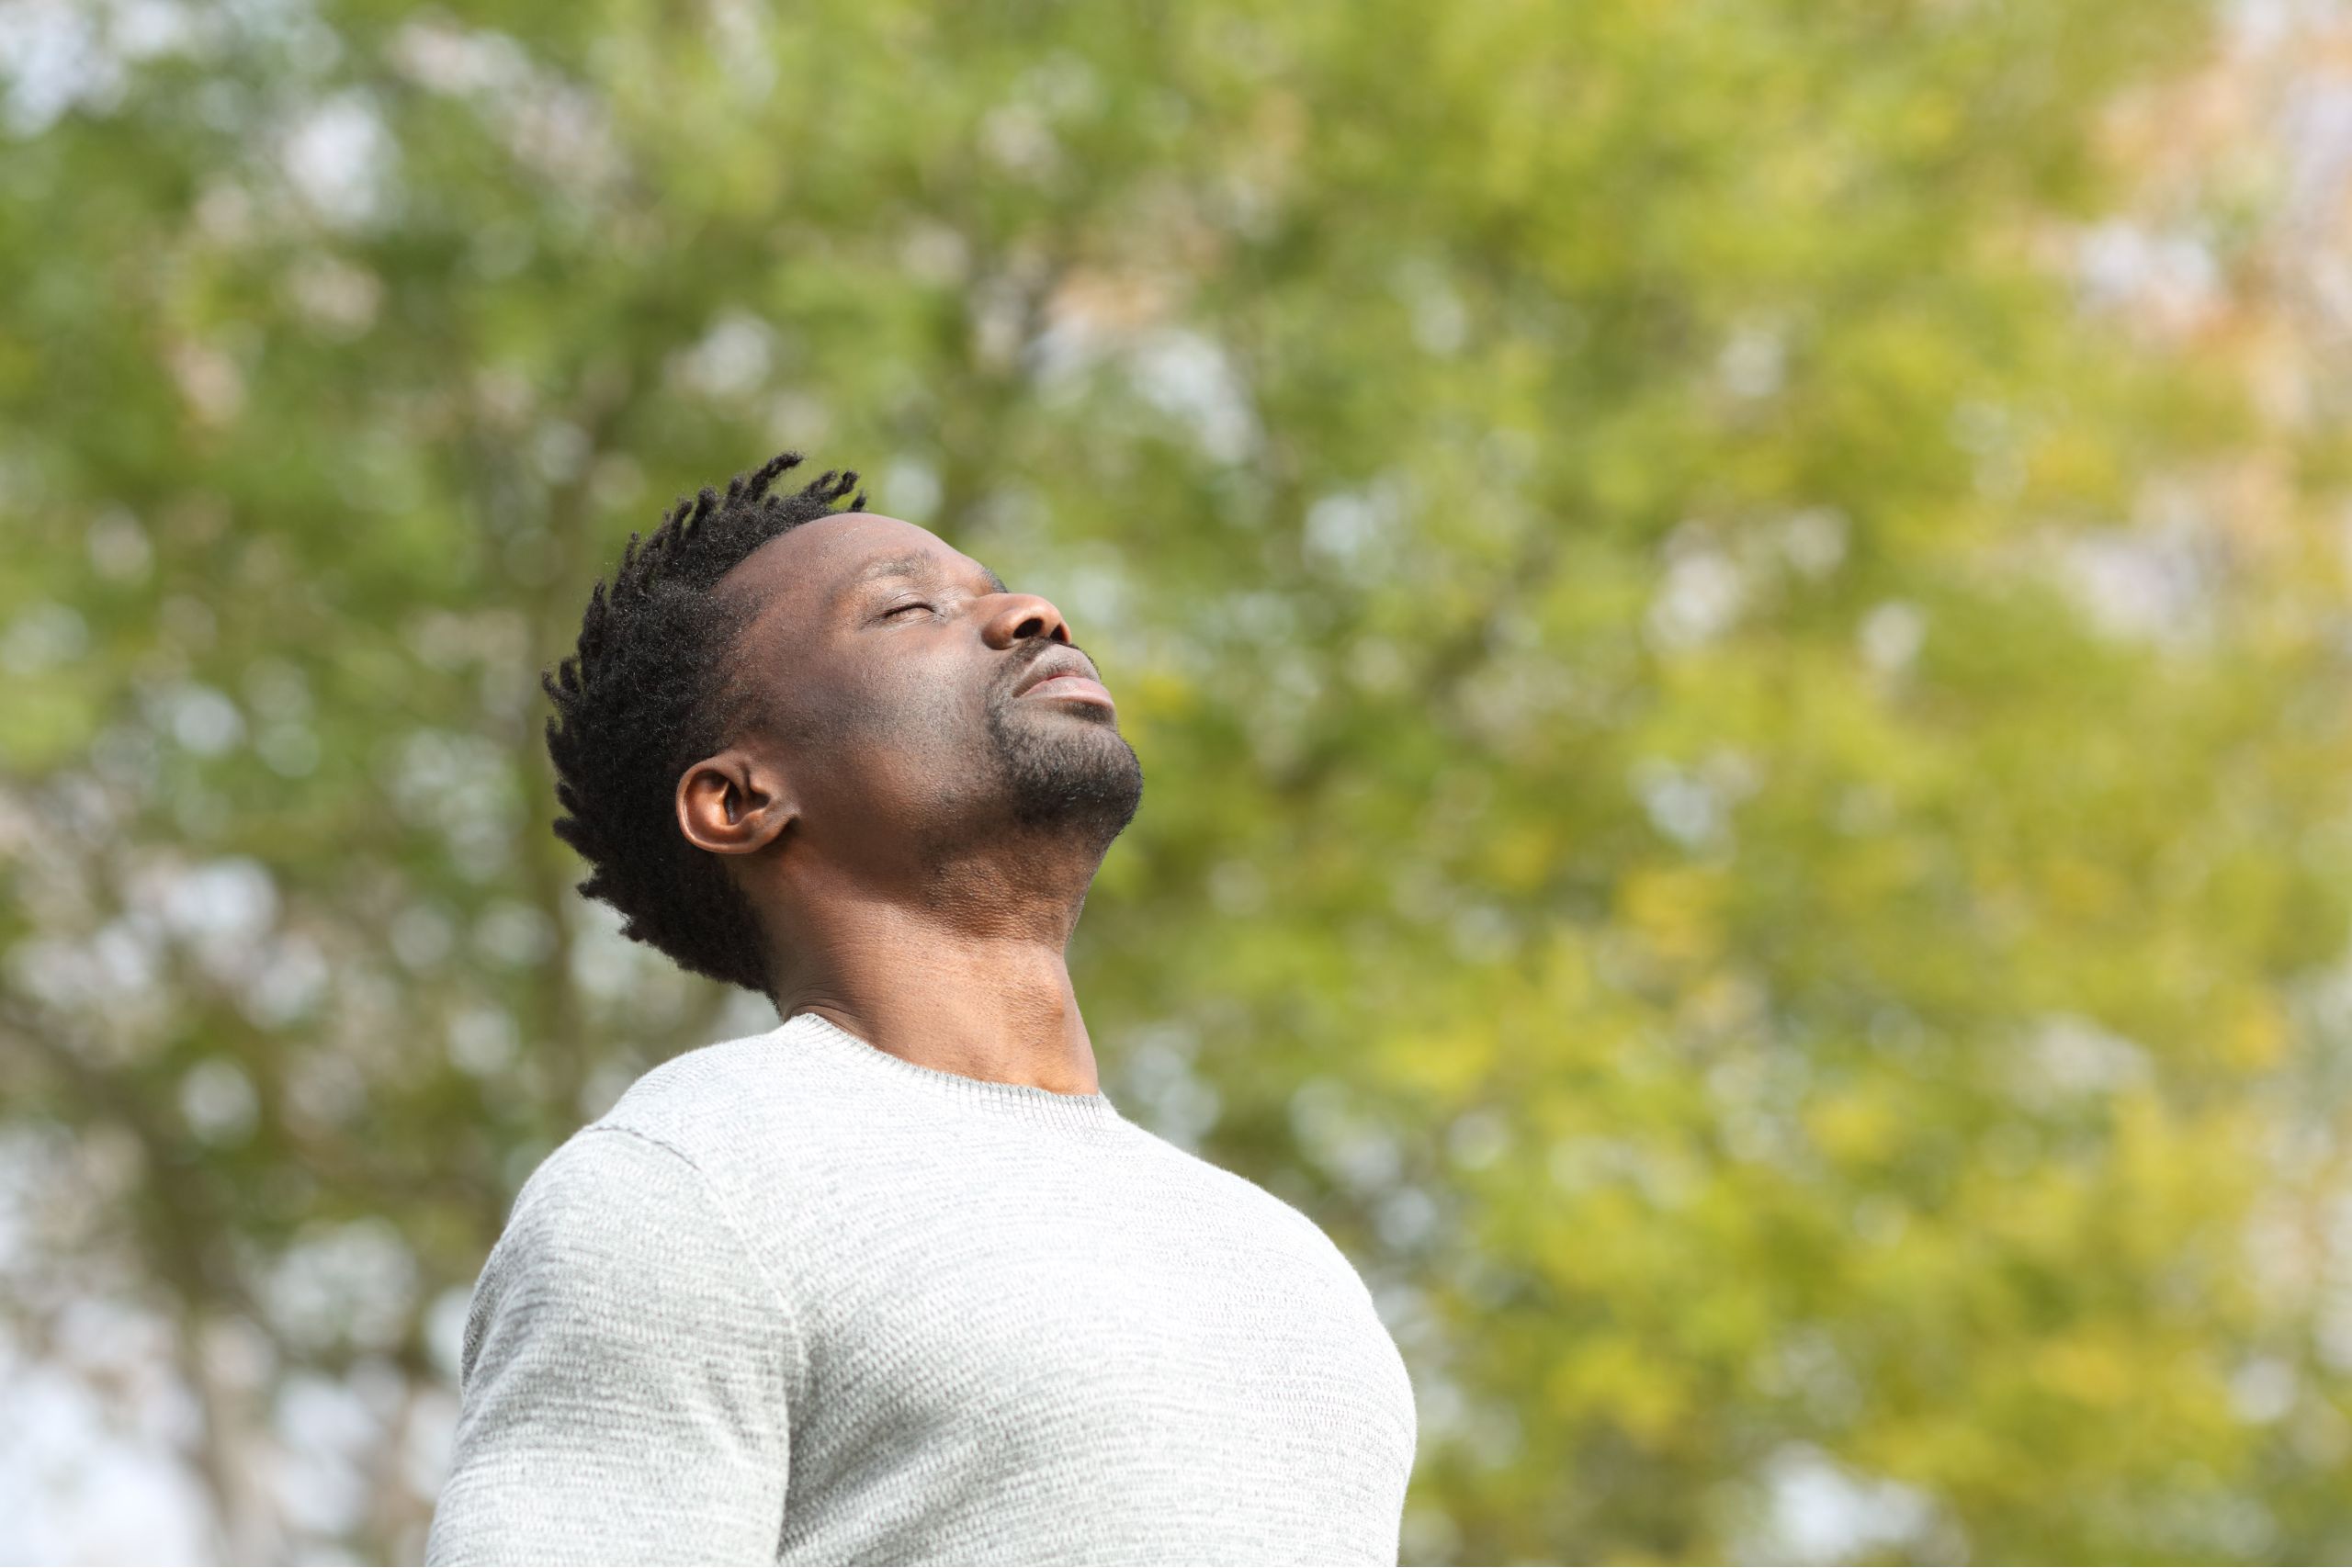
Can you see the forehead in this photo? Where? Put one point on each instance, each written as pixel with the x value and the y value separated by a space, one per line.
pixel 815 565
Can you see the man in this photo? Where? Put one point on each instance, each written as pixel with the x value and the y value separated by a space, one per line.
pixel 894 1281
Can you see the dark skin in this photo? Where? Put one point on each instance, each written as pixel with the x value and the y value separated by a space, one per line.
pixel 916 833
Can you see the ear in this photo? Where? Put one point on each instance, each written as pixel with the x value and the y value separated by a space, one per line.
pixel 733 803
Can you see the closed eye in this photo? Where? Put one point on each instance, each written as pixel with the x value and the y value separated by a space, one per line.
pixel 911 605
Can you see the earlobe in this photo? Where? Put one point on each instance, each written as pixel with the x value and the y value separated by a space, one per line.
pixel 733 804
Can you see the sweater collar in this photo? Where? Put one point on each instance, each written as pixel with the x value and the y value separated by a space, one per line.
pixel 1026 1103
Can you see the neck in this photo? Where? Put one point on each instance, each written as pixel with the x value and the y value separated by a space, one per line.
pixel 967 980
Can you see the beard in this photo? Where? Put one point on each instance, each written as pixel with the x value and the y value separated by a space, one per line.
pixel 1068 775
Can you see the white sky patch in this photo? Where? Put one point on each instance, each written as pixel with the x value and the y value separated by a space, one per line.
pixel 54 58
pixel 1344 1142
pixel 75 1488
pixel 1017 139
pixel 202 719
pixel 730 361
pixel 457 61
pixel 91 1476
pixel 746 1013
pixel 483 1041
pixel 1754 361
pixel 340 160
pixel 2264 1390
pixel 231 900
pixel 2172 280
pixel 421 936
pixel 285 983
pixel 1441 320
pixel 2139 586
pixel 43 636
pixel 1158 1071
pixel 2069 1058
pixel 1187 376
pixel 218 1100
pixel 1814 540
pixel 1700 597
pixel 909 489
pixel 118 546
pixel 1892 636
pixel 1355 534
pixel 1680 805
pixel 352 1281
pixel 464 785
pixel 513 933
pixel 324 1430
pixel 1824 1512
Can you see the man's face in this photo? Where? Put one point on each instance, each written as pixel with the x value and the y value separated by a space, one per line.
pixel 901 683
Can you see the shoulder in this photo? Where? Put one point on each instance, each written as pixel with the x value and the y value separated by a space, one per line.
pixel 1246 1200
pixel 600 1229
pixel 604 1193
pixel 697 1078
pixel 617 1254
pixel 641 1163
pixel 751 1114
pixel 697 1104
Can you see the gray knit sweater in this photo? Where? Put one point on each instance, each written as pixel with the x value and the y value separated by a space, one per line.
pixel 796 1300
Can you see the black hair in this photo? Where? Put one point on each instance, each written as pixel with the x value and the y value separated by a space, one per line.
pixel 648 694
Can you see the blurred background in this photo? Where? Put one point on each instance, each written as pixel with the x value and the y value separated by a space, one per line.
pixel 1737 615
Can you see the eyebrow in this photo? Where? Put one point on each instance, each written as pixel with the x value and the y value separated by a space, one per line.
pixel 913 566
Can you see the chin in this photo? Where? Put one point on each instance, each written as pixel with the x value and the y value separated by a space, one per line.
pixel 1069 770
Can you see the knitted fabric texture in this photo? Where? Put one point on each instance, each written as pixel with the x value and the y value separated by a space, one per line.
pixel 796 1300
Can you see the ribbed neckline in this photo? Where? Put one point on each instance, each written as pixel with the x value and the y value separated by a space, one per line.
pixel 1025 1103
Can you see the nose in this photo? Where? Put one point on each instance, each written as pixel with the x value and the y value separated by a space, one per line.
pixel 1020 616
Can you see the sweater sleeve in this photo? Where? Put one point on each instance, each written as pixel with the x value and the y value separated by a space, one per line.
pixel 622 1392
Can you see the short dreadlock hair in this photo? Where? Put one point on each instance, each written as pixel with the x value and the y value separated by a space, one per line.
pixel 648 694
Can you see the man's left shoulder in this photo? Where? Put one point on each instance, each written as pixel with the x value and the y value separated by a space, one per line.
pixel 1259 1204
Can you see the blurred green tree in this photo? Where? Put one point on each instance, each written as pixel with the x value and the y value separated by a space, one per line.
pixel 1745 760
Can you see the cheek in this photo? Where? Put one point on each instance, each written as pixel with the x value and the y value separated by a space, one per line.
pixel 895 734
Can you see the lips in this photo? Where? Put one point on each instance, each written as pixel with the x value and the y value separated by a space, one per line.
pixel 1076 688
pixel 1065 676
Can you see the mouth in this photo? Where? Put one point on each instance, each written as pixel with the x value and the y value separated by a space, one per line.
pixel 1064 675
pixel 1070 688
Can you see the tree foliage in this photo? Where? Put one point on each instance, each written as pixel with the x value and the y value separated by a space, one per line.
pixel 1745 749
